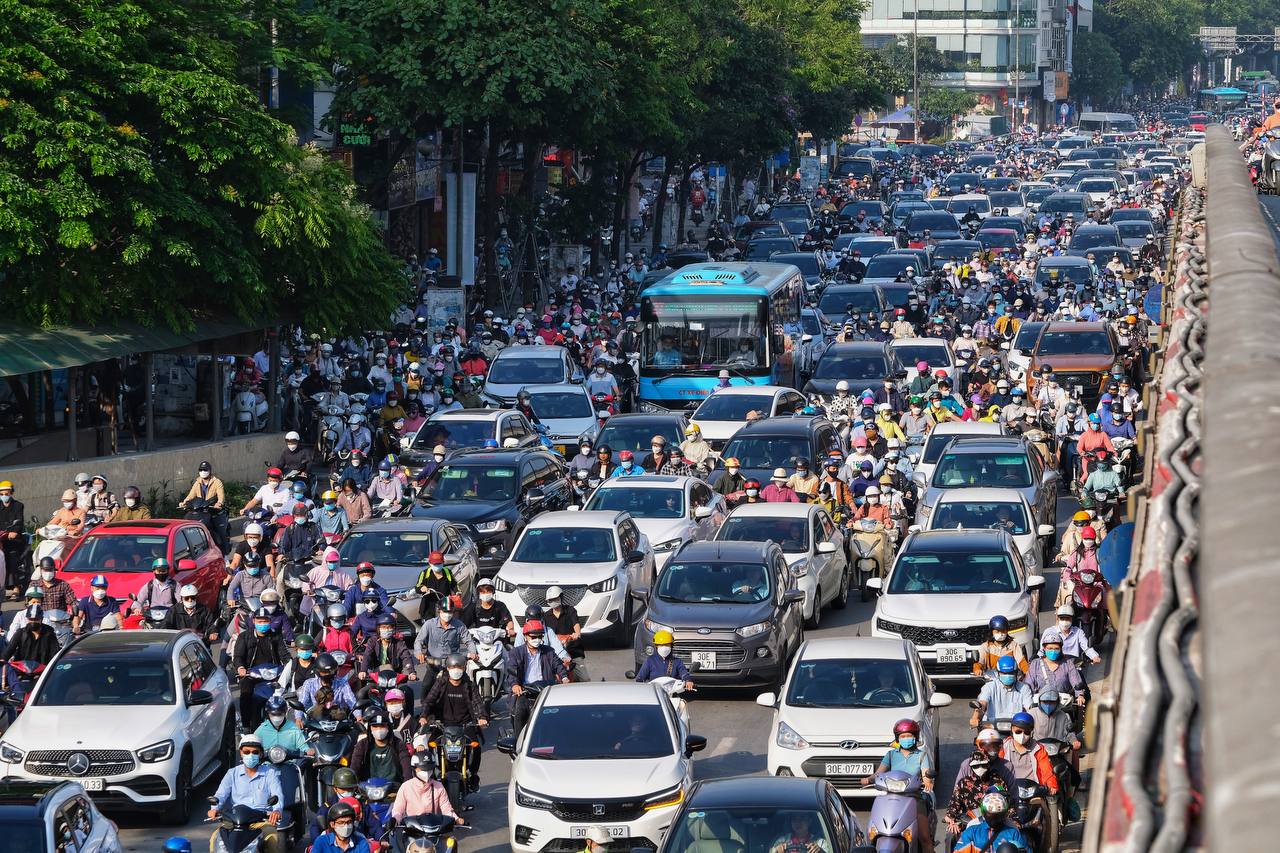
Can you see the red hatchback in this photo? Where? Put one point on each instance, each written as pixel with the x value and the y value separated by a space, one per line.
pixel 123 552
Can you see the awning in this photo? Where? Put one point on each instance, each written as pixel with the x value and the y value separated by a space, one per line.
pixel 24 349
pixel 906 115
pixel 1224 92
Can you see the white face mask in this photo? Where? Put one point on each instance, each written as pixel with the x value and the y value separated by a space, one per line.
pixel 204 475
pixel 999 636
pixel 69 504
pixel 277 720
pixel 534 642
pixel 979 771
pixel 365 580
pixel 1064 626
pixel 380 732
pixel 99 594
pixel 1021 737
pixel 455 674
pixel 873 499
pixel 48 576
pixel 486 597
pixel 733 472
pixel 424 775
pixel 189 605
pixel 131 502
pixel 395 709
pixel 664 651
pixel 344 830
pixel 292 445
pixel 554 605
pixel 370 606
pixel 586 450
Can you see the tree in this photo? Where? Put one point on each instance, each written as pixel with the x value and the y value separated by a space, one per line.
pixel 898 67
pixel 945 103
pixel 1098 76
pixel 1156 39
pixel 140 179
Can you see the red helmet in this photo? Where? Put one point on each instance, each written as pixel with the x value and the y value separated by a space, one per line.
pixel 751 484
pixel 1088 533
pixel 626 454
pixel 906 727
pixel 275 472
pixel 533 626
pixel 435 558
pixel 366 566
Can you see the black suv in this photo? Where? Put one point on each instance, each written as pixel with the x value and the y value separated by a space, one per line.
pixel 769 443
pixel 495 493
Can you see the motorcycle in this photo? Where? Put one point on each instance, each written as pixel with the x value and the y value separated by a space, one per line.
pixel 266 681
pixel 375 689
pixel 25 673
pixel 213 519
pixel 893 821
pixel 1126 457
pixel 870 539
pixel 1030 809
pixel 332 740
pixel 238 620
pixel 1105 503
pixel 1089 597
pixel 453 746
pixel 488 669
pixel 156 616
pixel 424 833
pixel 52 542
pixel 377 794
pixel 321 599
pixel 673 687
pixel 237 833
pixel 291 768
pixel 294 577
pixel 1059 752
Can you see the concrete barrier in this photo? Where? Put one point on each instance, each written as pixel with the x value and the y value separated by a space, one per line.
pixel 40 486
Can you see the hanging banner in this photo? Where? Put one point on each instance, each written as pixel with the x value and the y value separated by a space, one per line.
pixel 427 167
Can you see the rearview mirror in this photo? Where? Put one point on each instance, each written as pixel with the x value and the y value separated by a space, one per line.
pixel 915 528
pixel 694 743
pixel 702 512
pixel 875 583
pixel 507 746
pixel 939 700
pixel 630 675
pixel 186 565
pixel 1035 581
pixel 1045 530
pixel 826 547
pixel 635 557
pixel 792 596
pixel 452 560
pixel 767 700
pixel 640 593
pixel 199 697
pixel 917 478
pixel 535 496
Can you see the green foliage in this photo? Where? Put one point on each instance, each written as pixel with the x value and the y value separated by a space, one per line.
pixel 897 67
pixel 944 103
pixel 1156 39
pixel 141 179
pixel 1098 76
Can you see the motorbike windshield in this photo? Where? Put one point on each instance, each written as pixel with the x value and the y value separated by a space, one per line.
pixel 566 545
pixel 470 483
pixel 953 573
pixel 971 515
pixel 92 680
pixel 994 470
pixel 715 583
pixel 791 534
pixel 774 828
pixel 600 732
pixel 385 548
pixel 857 683
pixel 117 553
pixel 641 503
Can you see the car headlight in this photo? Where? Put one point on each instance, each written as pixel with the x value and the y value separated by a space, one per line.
pixel 673 796
pixel 1031 558
pixel 609 584
pixel 530 800
pixel 502 585
pixel 156 752
pixel 669 545
pixel 800 567
pixel 492 526
pixel 654 627
pixel 789 738
pixel 1019 624
pixel 753 630
pixel 9 754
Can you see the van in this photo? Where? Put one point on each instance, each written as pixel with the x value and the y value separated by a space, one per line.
pixel 1108 123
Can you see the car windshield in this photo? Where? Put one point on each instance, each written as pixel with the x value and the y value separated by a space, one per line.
pixel 998 239
pixel 1063 205
pixel 934 220
pixel 714 583
pixel 912 354
pixel 960 206
pixel 1096 185
pixel 527 371
pixel 454 434
pixel 1007 199
pixel 933 447
pixel 889 265
pixel 805 262
pixel 1089 239
pixel 992 470
pixel 791 534
pixel 758 828
pixel 767 451
pixel 1074 343
pixel 623 435
pixel 640 502
pixel 981 515
pixel 762 250
pixel 599 732
pixel 704 331
pixel 98 680
pixel 385 548
pixel 566 545
pixel 953 573
pixel 834 301
pixel 561 404
pixel 117 553
pixel 1134 228
pixel 733 407
pixel 853 367
pixel 854 683
pixel 470 483
pixel 1073 274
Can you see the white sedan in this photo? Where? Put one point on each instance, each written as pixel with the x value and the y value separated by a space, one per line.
pixel 669 511
pixel 724 412
pixel 994 509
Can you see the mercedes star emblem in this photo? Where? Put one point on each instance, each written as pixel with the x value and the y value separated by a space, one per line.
pixel 78 763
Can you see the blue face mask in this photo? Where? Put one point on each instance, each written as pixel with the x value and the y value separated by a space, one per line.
pixel 1048 707
pixel 252 760
pixel 305 654
pixel 907 742
pixel 1007 679
pixel 254 570
pixel 260 628
pixel 1053 654
pixel 386 475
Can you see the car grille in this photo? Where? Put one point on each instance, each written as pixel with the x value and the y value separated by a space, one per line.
pixel 934 668
pixel 569 845
pixel 925 636
pixel 1087 381
pixel 729 654
pixel 538 595
pixel 102 762
pixel 149 786
pixel 585 811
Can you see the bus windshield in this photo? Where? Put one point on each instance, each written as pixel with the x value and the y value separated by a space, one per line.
pixel 700 332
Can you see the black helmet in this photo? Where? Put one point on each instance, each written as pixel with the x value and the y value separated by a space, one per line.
pixel 341 810
pixel 326 665
pixel 304 641
pixel 456 659
pixel 48 563
pixel 385 619
pixel 423 760
pixel 533 611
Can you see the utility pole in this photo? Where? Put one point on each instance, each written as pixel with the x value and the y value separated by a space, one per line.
pixel 915 72
pixel 1017 60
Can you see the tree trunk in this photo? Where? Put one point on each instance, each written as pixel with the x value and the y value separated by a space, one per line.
pixel 619 203
pixel 660 205
pixel 597 244
pixel 682 194
pixel 528 239
pixel 621 222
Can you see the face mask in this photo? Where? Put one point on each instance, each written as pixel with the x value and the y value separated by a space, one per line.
pixel 438 571
pixel 261 628
pixel 292 445
pixel 999 636
pixel 455 674
pixel 370 606
pixel 252 760
pixel 1093 426
pixel 424 775
pixel 664 651
pixel 907 742
pixel 1021 737
pixel 338 623
pixel 344 830
pixel 330 504
pixel 733 472
pixel 386 475
pixel 1007 679
pixel 385 633
pixel 129 502
pixel 277 720
pixel 395 709
pixel 204 475
pixel 554 605
pixel 365 580
pixel 979 771
pixel 439 457
pixel 1064 626
pixel 253 570
pixel 99 594
pixel 873 500
pixel 1053 654
pixel 627 465
pixel 96 488
pixel 534 642
pixel 380 732
pixel 68 504
pixel 252 541
pixel 305 654
pixel 915 410
pixel 751 493
pixel 586 450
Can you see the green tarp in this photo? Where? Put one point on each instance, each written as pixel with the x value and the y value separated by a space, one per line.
pixel 24 349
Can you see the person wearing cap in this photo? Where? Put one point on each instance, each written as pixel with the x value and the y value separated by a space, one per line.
pixel 453 700
pixel 301 538
pixel 423 793
pixel 485 610
pixel 255 646
pixel 12 543
pixel 440 637
pixel 253 784
pixel 94 606
pixel 102 501
pixel 983 771
pixel 193 615
pixel 657 455
pixel 33 595
pixel 1075 643
pixel 134 509
pixel 379 753
pixel 1003 696
pixel 365 573
pixel 69 516
pixel 778 491
pixel 531 664
pixel 803 482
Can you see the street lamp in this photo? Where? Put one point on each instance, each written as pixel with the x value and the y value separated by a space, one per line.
pixel 1017 59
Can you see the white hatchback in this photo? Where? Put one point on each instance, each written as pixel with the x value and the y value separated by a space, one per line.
pixel 609 755
pixel 724 412
pixel 834 717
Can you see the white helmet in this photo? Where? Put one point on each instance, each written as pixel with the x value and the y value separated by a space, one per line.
pixel 1066 610
pixel 292 436
pixel 872 492
pixel 188 591
pixel 510 442
pixel 554 593
pixel 355 420
pixel 842 385
pixel 253 529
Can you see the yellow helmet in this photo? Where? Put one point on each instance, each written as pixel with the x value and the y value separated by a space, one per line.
pixel 5 484
pixel 330 495
pixel 1081 517
pixel 663 638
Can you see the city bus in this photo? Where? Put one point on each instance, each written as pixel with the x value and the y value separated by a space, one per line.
pixel 709 317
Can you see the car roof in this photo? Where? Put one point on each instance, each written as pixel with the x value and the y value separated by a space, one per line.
pixel 739 390
pixel 605 519
pixel 854 647
pixel 153 525
pixel 774 510
pixel 549 387
pixel 958 540
pixel 939 342
pixel 1063 261
pixel 648 481
pixel 489 415
pixel 551 351
pixel 501 456
pixel 861 347
pixel 980 494
pixel 150 643
pixel 968 428
pixel 406 523
pixel 602 693
pixel 647 417
pixel 793 425
pixel 23 798
pixel 726 552
pixel 1094 227
pixel 1068 326
pixel 771 792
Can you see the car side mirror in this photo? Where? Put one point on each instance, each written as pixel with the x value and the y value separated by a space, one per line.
pixel 1045 530
pixel 701 512
pixel 635 557
pixel 507 746
pixel 1004 345
pixel 939 700
pixel 640 593
pixel 792 596
pixel 1035 581
pixel 826 547
pixel 917 478
pixel 198 698
pixel 767 700
pixel 630 675
pixel 694 743
pixel 452 560
pixel 875 584
pixel 915 528
pixel 1050 476
pixel 186 565
pixel 535 496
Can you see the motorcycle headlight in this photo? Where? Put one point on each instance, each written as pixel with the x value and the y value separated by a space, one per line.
pixel 654 627
pixel 277 754
pixel 491 526
pixel 502 585
pixel 609 584
pixel 753 630
pixel 156 752
pixel 669 545
pixel 9 754
pixel 530 800
pixel 789 738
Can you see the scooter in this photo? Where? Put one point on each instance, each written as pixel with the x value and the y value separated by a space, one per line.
pixel 424 833
pixel 291 768
pixel 1089 597
pixel 156 616
pixel 52 542
pixel 294 578
pixel 332 740
pixel 16 681
pixel 60 622
pixel 673 687
pixel 453 746
pixel 322 598
pixel 870 540
pixel 893 821
pixel 214 520
pixel 266 681
pixel 488 669
pixel 1039 822
pixel 237 833
pixel 377 794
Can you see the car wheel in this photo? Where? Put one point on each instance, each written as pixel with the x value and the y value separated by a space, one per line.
pixel 178 810
pixel 622 639
pixel 811 623
pixel 228 749
pixel 842 597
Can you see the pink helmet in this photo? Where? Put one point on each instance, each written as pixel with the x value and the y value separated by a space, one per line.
pixel 331 555
pixel 394 694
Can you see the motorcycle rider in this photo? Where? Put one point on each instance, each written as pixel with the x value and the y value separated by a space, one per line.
pixel 562 620
pixel 696 451
pixel 626 466
pixel 994 829
pixel 454 701
pixel 486 611
pixel 585 460
pixel 601 381
pixel 423 793
pixel 13 545
pixel 94 606
pixel 134 509
pixel 341 835
pixel 70 517
pixel 1026 756
pixel 194 616
pixel 662 663
pixel 997 645
pixel 278 729
pixel 272 496
pixel 440 637
pixel 966 797
pixel 1083 559
pixel 380 753
pixel 385 487
pixel 301 538
pixel 259 646
pixel 356 470
pixel 1053 672
pixel 253 580
pixel 434 582
pixel 907 756
pixel 356 436
pixel 34 641
pixel 778 491
pixel 252 784
pixel 365 573
pixel 336 689
pixel 280 624
pixel 1053 722
pixel 1003 697
pixel 295 456
pixel 733 482
pixel 1075 644
pixel 531 664
pixel 304 661
pixel 159 591
pixel 102 502
pixel 872 508
pixel 385 649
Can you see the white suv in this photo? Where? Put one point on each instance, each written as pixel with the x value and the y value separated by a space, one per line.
pixel 596 558
pixel 608 755
pixel 138 718
pixel 670 511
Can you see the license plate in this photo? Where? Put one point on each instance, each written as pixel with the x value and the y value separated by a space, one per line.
pixel 91 784
pixel 563 450
pixel 614 831
pixel 952 654
pixel 706 660
pixel 856 768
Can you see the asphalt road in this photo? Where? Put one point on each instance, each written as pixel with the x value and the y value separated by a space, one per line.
pixel 736 728
pixel 1271 212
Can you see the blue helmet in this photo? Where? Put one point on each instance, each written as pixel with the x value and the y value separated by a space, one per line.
pixel 275 704
pixel 999 623
pixel 1094 419
pixel 1006 664
pixel 99 580
pixel 177 844
pixel 490 442
pixel 1022 718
